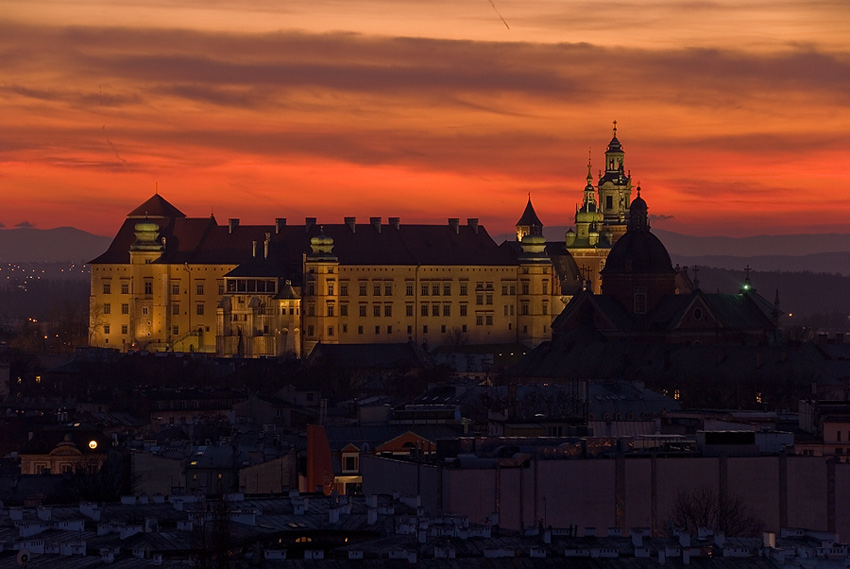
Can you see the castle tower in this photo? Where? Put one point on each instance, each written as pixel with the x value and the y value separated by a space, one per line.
pixel 615 188
pixel 321 293
pixel 529 223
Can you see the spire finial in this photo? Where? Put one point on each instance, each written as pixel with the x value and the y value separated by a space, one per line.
pixel 638 188
pixel 615 129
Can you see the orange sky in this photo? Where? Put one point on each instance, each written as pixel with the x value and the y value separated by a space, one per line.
pixel 733 115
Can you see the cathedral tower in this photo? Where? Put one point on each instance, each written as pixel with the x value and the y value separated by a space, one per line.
pixel 615 188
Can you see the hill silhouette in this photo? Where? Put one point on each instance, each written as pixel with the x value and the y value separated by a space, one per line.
pixel 31 245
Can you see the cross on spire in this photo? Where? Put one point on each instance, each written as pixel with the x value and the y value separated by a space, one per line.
pixel 615 128
pixel 747 270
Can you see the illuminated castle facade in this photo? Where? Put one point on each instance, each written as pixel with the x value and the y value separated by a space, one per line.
pixel 169 282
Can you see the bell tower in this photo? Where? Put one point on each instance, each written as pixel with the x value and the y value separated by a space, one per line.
pixel 615 188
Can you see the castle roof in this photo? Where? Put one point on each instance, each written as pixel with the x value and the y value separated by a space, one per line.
pixel 156 206
pixel 529 216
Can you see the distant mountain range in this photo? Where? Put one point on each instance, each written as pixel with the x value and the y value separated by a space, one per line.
pixel 62 244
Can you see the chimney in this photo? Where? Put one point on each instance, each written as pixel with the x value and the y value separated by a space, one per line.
pixel 266 246
pixel 232 224
pixel 394 221
pixel 279 223
pixel 254 248
pixel 376 223
pixel 309 222
pixel 473 223
pixel 351 222
pixel 454 223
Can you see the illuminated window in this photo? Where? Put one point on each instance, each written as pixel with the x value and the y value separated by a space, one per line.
pixel 408 289
pixel 106 328
pixel 331 287
pixel 330 309
pixel 107 288
pixel 199 309
pixel 107 308
pixel 175 288
pixel 148 286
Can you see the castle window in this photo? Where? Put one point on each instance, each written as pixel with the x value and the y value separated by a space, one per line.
pixel 148 286
pixel 435 289
pixel 199 289
pixel 464 289
pixel 512 309
pixel 423 310
pixel 125 308
pixel 388 310
pixel 488 318
pixel 389 329
pixel 479 319
pixel 199 309
pixel 388 289
pixel 330 309
pixel 408 310
pixel 220 289
pixel 343 289
pixel 409 329
pixel 360 329
pixel 408 289
pixel 526 287
pixel 425 329
pixel 489 298
pixel 640 301
pixel 447 310
pixel 464 308
pixel 311 310
pixel 125 288
pixel 545 308
pixel 310 330
pixel 107 308
pixel 175 309
pixel 124 329
pixel 463 328
pixel 377 329
pixel 435 310
pixel 545 287
pixel 106 328
pixel 362 310
pixel 144 311
pixel 479 299
pixel 330 330
pixel 376 310
pixel 362 290
pixel 512 289
pixel 343 310
pixel 609 202
pixel 345 328
pixel 376 289
pixel 424 290
pixel 331 287
pixel 697 314
pixel 524 309
pixel 504 289
pixel 447 289
pixel 107 288
pixel 311 289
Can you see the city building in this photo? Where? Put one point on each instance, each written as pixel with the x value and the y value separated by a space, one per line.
pixel 169 282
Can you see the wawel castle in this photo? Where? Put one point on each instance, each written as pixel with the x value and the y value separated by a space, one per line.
pixel 169 282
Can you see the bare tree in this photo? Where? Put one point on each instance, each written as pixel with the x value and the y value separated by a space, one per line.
pixel 704 507
pixel 97 321
pixel 455 337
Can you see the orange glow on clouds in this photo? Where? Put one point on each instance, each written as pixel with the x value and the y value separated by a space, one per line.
pixel 733 117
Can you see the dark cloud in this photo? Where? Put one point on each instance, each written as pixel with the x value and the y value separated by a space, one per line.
pixel 659 217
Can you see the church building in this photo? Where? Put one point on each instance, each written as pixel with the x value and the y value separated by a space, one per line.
pixel 169 282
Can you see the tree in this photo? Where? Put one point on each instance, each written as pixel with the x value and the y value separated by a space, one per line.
pixel 703 507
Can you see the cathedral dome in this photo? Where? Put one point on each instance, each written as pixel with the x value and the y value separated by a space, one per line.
pixel 638 252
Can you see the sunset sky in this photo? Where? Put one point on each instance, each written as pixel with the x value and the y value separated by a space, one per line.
pixel 734 116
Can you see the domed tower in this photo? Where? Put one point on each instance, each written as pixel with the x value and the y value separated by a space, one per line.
pixel 588 216
pixel 638 271
pixel 529 223
pixel 615 188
